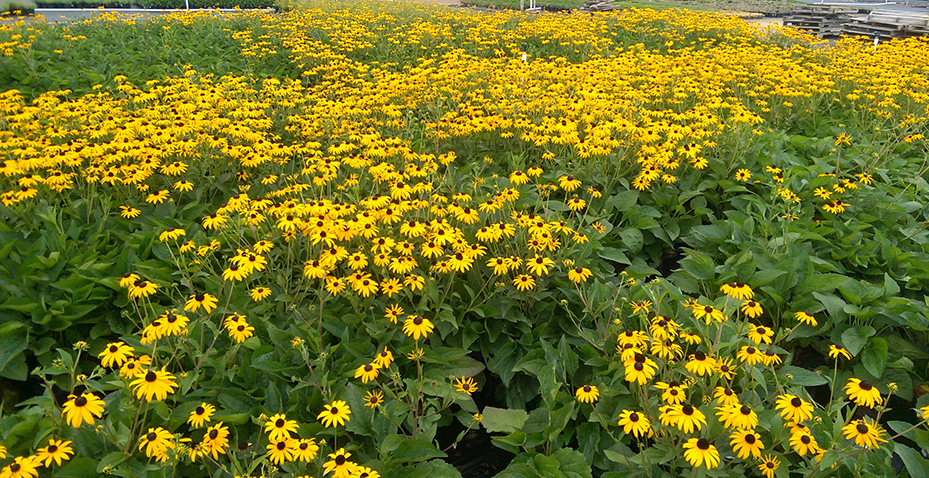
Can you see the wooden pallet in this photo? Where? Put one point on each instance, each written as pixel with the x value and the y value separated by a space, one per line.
pixel 888 24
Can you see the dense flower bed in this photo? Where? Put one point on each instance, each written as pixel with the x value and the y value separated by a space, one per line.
pixel 634 243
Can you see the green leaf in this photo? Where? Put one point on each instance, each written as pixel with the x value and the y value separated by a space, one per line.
pixel 916 465
pixel 503 420
pixel 572 463
pixel 874 357
pixel 855 338
pixel 110 461
pixel 13 341
pixel 632 238
pixel 416 450
pixel 802 377
pixel 614 255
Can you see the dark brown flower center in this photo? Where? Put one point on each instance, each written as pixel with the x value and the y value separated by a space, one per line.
pixel 750 438
pixel 700 356
pixel 633 417
pixel 151 436
pixel 113 349
pixel 281 445
pixel 279 423
pixel 334 411
pixel 796 402
pixel 200 410
pixel 703 444
pixel 339 460
pixel 418 321
pixel 213 434
pixel 304 446
pixel 687 410
pixel 14 467
pixel 54 448
pixel 151 377
pixel 861 428
pixel 805 439
pixel 587 388
pixel 750 350
pixel 745 410
pixel 865 385
pixel 368 368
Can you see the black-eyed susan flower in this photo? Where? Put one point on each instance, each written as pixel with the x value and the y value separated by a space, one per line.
pixel 803 442
pixel 793 408
pixel 279 427
pixel 771 358
pixel 737 416
pixel 686 418
pixel 215 440
pixel 156 443
pixel 743 175
pixel 587 394
pixel 466 385
pixel 640 370
pixel 864 433
pixel 416 326
pixel 240 330
pixel 863 393
pixel 129 212
pixel 339 465
pixel 115 354
pixel 305 450
pixel 22 467
pixel 635 423
pixel 373 399
pixel 569 183
pixel 135 366
pixel 691 338
pixel 725 368
pixel 539 265
pixel 701 364
pixel 750 355
pixel 335 414
pixel 171 324
pixel 752 309
pixel 234 273
pixel 760 334
pixel 699 451
pixel 725 396
pixel 81 409
pixel 201 415
pixel 769 466
pixel 708 313
pixel 836 352
pixel 259 294
pixel 155 384
pixel 673 392
pixel 384 358
pixel 196 301
pixel 737 290
pixel 367 372
pixel 579 274
pixel 281 450
pixel 142 288
pixel 746 444
pixel 171 234
pixel 636 338
pixel 56 451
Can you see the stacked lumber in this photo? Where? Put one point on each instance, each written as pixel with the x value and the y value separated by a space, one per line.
pixel 823 20
pixel 888 24
pixel 599 6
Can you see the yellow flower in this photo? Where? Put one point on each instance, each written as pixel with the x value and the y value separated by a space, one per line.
pixel 416 326
pixel 465 385
pixel 335 414
pixel 207 301
pixel 155 384
pixel 83 408
pixel 587 394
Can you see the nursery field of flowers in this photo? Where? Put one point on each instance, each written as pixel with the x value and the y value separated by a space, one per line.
pixel 342 240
